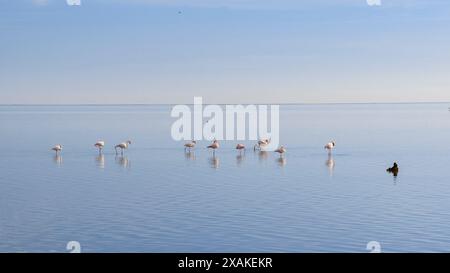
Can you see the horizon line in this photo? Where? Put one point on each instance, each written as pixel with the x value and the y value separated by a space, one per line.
pixel 168 104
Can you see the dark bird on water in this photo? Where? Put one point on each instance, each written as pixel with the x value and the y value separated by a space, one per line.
pixel 393 169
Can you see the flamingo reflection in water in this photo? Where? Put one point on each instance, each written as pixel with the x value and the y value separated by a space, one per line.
pixel 330 163
pixel 58 160
pixel 123 161
pixel 214 161
pixel 100 160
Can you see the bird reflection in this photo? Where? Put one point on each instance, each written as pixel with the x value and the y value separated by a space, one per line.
pixel 189 155
pixel 281 161
pixel 330 164
pixel 58 160
pixel 123 161
pixel 100 160
pixel 214 161
pixel 262 155
pixel 240 159
pixel 395 179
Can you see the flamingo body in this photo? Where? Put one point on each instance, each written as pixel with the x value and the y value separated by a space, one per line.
pixel 281 150
pixel 262 143
pixel 190 145
pixel 330 146
pixel 240 147
pixel 215 145
pixel 122 146
pixel 100 145
pixel 57 148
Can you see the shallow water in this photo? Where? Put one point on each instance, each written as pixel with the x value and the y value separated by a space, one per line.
pixel 158 199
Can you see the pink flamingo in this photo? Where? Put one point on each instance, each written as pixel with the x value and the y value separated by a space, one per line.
pixel 100 145
pixel 215 145
pixel 281 151
pixel 240 147
pixel 122 146
pixel 58 148
pixel 330 146
pixel 190 145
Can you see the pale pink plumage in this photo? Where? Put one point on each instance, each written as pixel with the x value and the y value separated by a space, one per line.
pixel 330 146
pixel 280 150
pixel 57 148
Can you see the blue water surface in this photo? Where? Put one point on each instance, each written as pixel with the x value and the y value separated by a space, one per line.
pixel 157 198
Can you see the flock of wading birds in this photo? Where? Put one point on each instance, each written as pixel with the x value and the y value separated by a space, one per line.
pixel 215 145
pixel 191 145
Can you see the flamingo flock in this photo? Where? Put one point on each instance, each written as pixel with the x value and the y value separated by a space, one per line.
pixel 260 145
pixel 99 145
pixel 240 147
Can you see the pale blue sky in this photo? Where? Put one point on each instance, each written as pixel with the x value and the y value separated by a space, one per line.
pixel 235 51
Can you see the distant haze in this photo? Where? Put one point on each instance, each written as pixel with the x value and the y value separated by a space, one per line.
pixel 235 51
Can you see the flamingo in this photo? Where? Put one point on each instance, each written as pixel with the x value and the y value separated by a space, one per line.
pixel 215 145
pixel 330 146
pixel 100 145
pixel 281 151
pixel 240 147
pixel 57 148
pixel 261 144
pixel 190 145
pixel 122 146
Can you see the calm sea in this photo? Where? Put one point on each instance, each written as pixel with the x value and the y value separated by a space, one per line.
pixel 156 198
